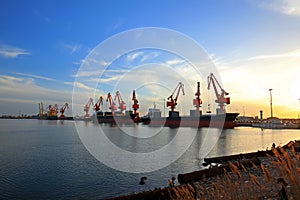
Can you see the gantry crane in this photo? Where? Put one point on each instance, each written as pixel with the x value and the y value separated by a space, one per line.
pixel 52 113
pixel 98 104
pixel 173 101
pixel 112 105
pixel 222 100
pixel 122 105
pixel 41 110
pixel 197 101
pixel 135 105
pixel 53 108
pixel 62 110
pixel 87 107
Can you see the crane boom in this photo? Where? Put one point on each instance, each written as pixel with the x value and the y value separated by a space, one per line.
pixel 172 103
pixel 87 107
pixel 62 110
pixel 98 104
pixel 122 105
pixel 222 100
pixel 112 104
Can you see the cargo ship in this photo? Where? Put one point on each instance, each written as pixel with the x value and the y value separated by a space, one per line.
pixel 221 119
pixel 225 120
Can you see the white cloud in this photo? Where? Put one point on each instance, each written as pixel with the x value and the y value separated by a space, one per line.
pixel 287 7
pixel 292 54
pixel 73 48
pixel 149 56
pixel 248 80
pixel 79 85
pixel 175 61
pixel 36 76
pixel 132 56
pixel 27 94
pixel 12 52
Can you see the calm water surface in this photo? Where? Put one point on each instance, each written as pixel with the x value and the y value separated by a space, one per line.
pixel 47 160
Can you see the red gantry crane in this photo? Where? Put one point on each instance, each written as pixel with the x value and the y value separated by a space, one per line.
pixel 98 104
pixel 222 100
pixel 112 104
pixel 87 108
pixel 197 101
pixel 135 105
pixel 122 105
pixel 62 110
pixel 173 101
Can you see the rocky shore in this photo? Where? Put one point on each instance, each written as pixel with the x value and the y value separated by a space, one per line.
pixel 270 174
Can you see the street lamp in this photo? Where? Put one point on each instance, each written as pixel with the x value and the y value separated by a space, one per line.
pixel 298 113
pixel 271 102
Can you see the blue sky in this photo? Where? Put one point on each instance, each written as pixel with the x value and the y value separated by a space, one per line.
pixel 254 44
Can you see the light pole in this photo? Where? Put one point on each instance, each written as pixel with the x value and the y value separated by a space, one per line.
pixel 298 113
pixel 271 102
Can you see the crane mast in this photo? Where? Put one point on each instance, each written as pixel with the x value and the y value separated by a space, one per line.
pixel 197 101
pixel 87 107
pixel 135 105
pixel 62 110
pixel 172 103
pixel 222 100
pixel 112 104
pixel 98 104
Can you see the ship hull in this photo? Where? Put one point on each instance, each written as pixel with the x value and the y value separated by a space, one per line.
pixel 219 121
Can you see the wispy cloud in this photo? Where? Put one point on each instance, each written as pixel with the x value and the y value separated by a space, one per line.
pixel 8 51
pixel 73 48
pixel 27 94
pixel 36 76
pixel 41 16
pixel 175 61
pixel 248 80
pixel 149 56
pixel 79 85
pixel 287 7
pixel 291 54
pixel 131 57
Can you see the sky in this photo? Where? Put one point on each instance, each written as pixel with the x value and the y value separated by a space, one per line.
pixel 254 45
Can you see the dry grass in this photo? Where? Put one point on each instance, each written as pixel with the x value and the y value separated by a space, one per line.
pixel 258 183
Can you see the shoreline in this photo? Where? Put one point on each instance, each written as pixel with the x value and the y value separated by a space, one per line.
pixel 257 172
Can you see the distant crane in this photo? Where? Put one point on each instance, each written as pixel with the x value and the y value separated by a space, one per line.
pixel 112 104
pixel 41 110
pixel 53 108
pixel 87 107
pixel 221 96
pixel 52 113
pixel 98 104
pixel 62 110
pixel 197 101
pixel 173 101
pixel 122 105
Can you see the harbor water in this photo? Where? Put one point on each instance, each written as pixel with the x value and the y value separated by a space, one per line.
pixel 43 159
